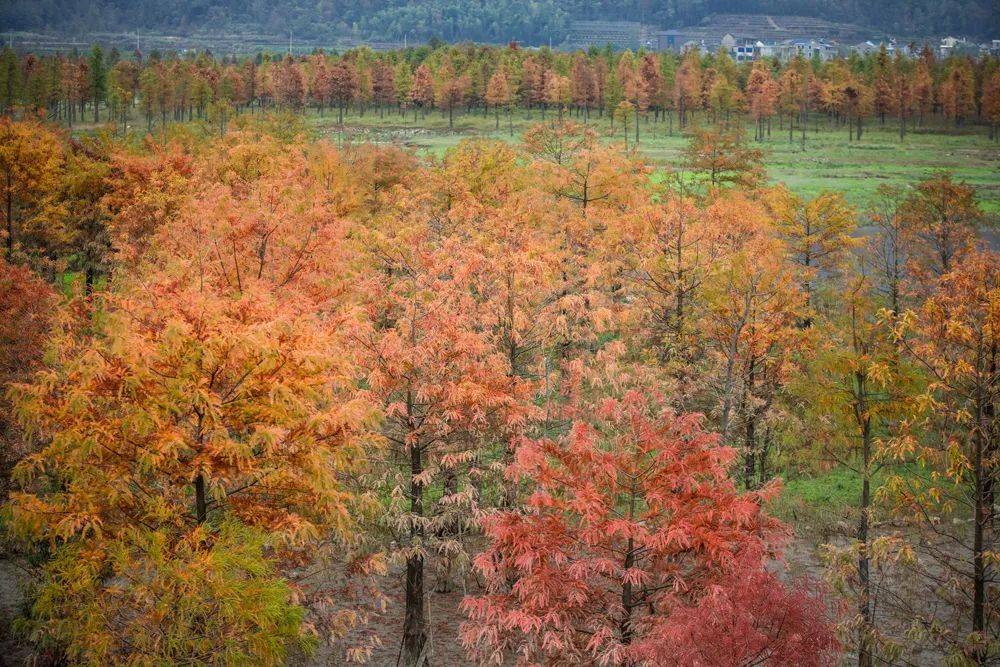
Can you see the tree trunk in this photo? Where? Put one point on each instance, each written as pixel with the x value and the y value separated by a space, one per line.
pixel 863 537
pixel 10 217
pixel 727 402
pixel 200 505
pixel 982 516
pixel 414 642
pixel 750 444
pixel 414 623
pixel 625 628
pixel 992 443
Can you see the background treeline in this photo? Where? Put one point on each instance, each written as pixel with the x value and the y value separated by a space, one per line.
pixel 157 89
pixel 530 22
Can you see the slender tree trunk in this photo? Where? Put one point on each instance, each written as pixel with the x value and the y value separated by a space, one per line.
pixel 750 446
pixel 10 216
pixel 982 516
pixel 89 276
pixel 992 441
pixel 510 486
pixel 414 622
pixel 729 382
pixel 863 536
pixel 625 628
pixel 200 504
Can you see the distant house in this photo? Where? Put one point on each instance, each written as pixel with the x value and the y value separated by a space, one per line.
pixel 747 50
pixel 947 44
pixel 782 51
pixel 953 46
pixel 869 47
pixel 813 48
pixel 865 48
pixel 743 51
pixel 768 50
pixel 673 40
pixel 750 46
pixel 692 45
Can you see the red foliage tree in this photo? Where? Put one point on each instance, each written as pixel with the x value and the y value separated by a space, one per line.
pixel 422 93
pixel 383 85
pixel 289 84
pixel 343 85
pixel 26 304
pixel 636 548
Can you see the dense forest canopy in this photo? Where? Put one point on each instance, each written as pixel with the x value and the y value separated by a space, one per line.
pixel 529 21
pixel 313 359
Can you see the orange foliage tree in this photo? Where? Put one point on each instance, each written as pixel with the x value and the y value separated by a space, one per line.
pixel 721 157
pixel 30 160
pixel 940 218
pixel 444 388
pixel 197 426
pixel 952 432
pixel 818 233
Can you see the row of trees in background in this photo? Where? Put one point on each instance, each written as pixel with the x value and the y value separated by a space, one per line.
pixel 456 79
pixel 533 22
pixel 289 370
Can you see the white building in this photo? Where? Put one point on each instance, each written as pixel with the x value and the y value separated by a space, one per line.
pixel 746 50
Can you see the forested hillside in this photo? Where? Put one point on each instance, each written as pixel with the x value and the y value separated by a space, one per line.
pixel 530 21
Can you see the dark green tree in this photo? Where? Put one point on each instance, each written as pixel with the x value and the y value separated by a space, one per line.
pixel 98 79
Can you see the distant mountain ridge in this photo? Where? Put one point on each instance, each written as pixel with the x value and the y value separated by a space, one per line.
pixel 528 21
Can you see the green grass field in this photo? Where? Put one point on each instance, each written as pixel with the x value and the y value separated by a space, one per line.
pixel 819 506
pixel 829 162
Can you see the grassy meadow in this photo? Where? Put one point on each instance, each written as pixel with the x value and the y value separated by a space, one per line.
pixel 829 161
